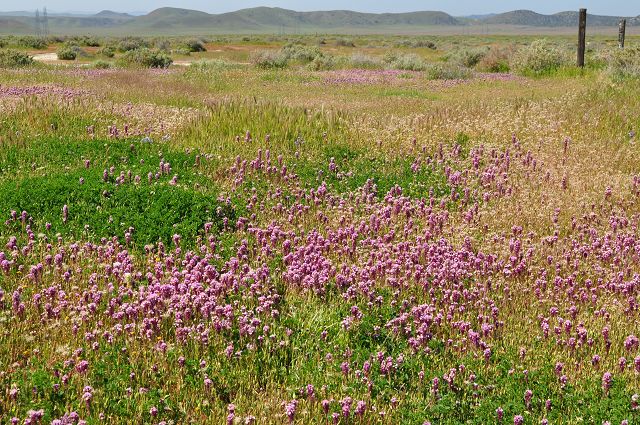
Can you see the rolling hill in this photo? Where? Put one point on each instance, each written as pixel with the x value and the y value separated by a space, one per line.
pixel 562 19
pixel 112 15
pixel 268 18
pixel 170 20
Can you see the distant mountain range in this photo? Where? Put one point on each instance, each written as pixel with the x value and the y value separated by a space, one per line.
pixel 269 20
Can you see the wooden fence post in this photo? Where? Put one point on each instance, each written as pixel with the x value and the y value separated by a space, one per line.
pixel 582 30
pixel 621 30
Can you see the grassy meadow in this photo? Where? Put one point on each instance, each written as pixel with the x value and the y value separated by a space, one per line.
pixel 319 230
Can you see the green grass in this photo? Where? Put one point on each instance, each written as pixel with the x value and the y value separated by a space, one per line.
pixel 290 129
pixel 407 93
pixel 356 167
pixel 99 208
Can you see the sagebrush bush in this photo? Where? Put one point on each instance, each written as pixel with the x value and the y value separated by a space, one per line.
pixel 301 53
pixel 211 64
pixel 390 57
pixel 181 51
pixel 163 45
pixel 364 61
pixel 67 53
pixel 107 51
pixel 445 71
pixel 268 59
pixel 32 42
pixel 322 63
pixel 14 59
pixel 132 43
pixel 100 64
pixel 497 59
pixel 409 62
pixel 345 42
pixel 540 57
pixel 83 41
pixel 90 42
pixel 209 70
pixel 468 58
pixel 195 46
pixel 146 58
pixel 623 63
pixel 415 44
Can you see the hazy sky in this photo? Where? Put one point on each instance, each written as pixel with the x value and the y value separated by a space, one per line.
pixel 456 7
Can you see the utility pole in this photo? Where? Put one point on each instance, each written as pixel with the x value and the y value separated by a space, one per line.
pixel 582 33
pixel 621 32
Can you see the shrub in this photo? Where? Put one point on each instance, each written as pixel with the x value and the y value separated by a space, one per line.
pixel 146 58
pixel 100 64
pixel 163 45
pixel 345 42
pixel 67 53
pixel 322 63
pixel 300 53
pixel 540 57
pixel 195 46
pixel 107 51
pixel 181 51
pixel 212 64
pixel 468 58
pixel 14 59
pixel 447 72
pixel 361 60
pixel 132 43
pixel 32 42
pixel 83 41
pixel 268 59
pixel 209 69
pixel 390 57
pixel 415 44
pixel 624 63
pixel 497 59
pixel 90 42
pixel 409 62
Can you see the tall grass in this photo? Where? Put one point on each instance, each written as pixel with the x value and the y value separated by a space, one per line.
pixel 237 127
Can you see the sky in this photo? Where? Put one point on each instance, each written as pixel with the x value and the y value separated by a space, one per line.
pixel 455 7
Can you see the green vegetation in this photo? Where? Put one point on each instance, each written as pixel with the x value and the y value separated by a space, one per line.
pixel 269 59
pixel 109 194
pixel 624 63
pixel 146 58
pixel 345 229
pixel 68 53
pixel 14 59
pixel 540 57
pixel 107 51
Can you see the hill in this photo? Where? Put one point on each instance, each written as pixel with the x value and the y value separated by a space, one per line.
pixel 269 18
pixel 112 15
pixel 13 25
pixel 177 21
pixel 561 19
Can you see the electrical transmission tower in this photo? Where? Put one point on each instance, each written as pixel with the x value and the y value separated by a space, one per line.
pixel 45 24
pixel 38 24
pixel 42 23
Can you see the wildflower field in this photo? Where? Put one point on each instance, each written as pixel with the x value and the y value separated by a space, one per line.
pixel 294 230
